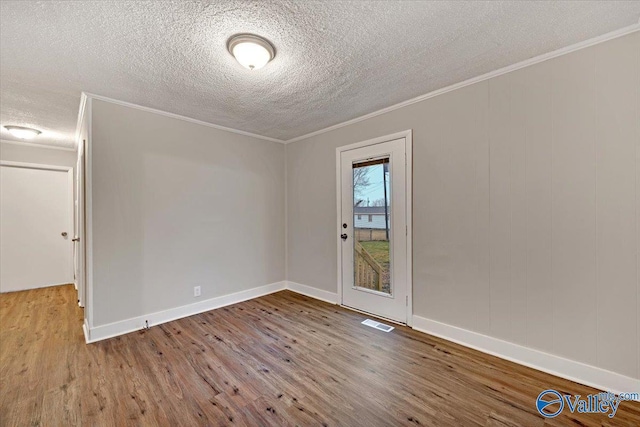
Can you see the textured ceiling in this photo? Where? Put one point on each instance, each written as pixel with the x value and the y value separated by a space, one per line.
pixel 335 60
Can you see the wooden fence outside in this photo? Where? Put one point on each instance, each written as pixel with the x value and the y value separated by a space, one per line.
pixel 369 274
pixel 369 234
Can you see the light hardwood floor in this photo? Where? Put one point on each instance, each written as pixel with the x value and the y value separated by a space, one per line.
pixel 283 359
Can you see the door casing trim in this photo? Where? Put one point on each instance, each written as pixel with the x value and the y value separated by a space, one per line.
pixel 408 143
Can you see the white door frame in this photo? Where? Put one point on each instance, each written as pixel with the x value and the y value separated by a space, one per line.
pixel 80 225
pixel 408 137
pixel 83 137
pixel 71 208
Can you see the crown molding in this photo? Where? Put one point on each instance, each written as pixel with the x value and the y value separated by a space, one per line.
pixel 87 95
pixel 36 145
pixel 508 69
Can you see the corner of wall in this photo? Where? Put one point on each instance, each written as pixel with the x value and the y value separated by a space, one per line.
pixel 286 214
pixel 326 296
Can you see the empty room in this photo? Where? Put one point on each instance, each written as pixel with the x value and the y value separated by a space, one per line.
pixel 319 213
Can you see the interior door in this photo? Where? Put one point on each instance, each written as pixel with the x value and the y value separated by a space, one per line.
pixel 373 229
pixel 78 239
pixel 35 228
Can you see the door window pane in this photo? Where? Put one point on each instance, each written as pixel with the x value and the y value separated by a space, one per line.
pixel 372 253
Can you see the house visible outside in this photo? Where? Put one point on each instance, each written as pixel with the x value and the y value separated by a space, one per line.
pixel 370 217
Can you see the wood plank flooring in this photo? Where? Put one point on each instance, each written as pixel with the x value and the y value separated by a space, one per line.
pixel 283 359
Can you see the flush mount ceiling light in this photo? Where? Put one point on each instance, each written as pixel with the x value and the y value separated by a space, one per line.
pixel 23 132
pixel 251 51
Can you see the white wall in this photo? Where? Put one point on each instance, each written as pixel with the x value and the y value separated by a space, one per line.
pixel 42 155
pixel 526 202
pixel 178 205
pixel 16 152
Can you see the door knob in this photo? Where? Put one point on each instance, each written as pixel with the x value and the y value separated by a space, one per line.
pixel 64 234
pixel 75 239
pixel 344 236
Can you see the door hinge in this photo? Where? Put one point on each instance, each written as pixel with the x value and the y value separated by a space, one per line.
pixel 406 300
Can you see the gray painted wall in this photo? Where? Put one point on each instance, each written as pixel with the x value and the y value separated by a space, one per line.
pixel 176 205
pixel 526 201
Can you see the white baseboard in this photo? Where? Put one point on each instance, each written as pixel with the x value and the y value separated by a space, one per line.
pixel 49 285
pixel 330 297
pixel 85 330
pixel 555 365
pixel 102 332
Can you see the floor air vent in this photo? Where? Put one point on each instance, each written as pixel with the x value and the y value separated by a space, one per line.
pixel 378 325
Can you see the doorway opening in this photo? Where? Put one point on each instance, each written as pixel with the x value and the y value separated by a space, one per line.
pixel 37 226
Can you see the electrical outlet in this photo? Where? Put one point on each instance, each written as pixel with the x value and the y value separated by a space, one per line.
pixel 196 291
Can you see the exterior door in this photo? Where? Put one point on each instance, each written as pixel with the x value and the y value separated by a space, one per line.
pixel 35 227
pixel 373 229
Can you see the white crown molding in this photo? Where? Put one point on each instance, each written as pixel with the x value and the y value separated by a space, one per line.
pixel 174 116
pixel 555 365
pixel 32 144
pixel 26 165
pixel 508 69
